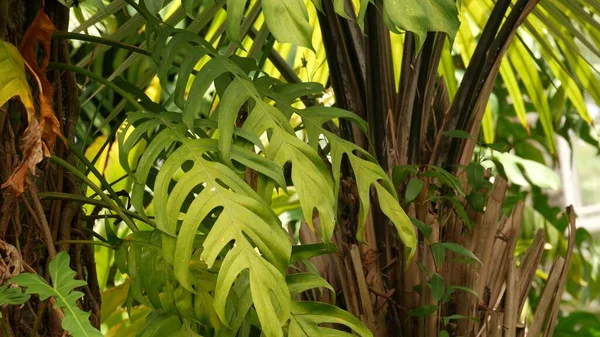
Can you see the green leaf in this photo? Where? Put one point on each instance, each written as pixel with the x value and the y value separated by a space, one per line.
pixel 447 319
pixel 437 286
pixel 475 175
pixel 154 6
pixel 424 310
pixel 235 15
pixel 75 321
pixel 185 331
pixel 13 81
pixel 305 252
pixel 340 8
pixel 476 200
pixel 401 221
pixel 399 173
pixel 112 299
pixel 444 333
pixel 159 324
pixel 469 290
pixel 301 282
pixel 459 208
pixel 458 249
pixel 445 178
pixel 288 21
pixel 189 5
pixel 422 16
pixel 421 226
pixel 318 5
pixel 270 294
pixel 367 172
pixel 532 82
pixel 12 296
pixel 439 253
pixel 514 91
pixel 413 189
pixel 307 317
pixel 240 217
pixel 308 169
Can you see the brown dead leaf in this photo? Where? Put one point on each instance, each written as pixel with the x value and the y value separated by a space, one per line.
pixel 40 31
pixel 13 83
pixel 31 148
pixel 39 138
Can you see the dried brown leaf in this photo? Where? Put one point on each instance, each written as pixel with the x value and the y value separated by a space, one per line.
pixel 31 147
pixel 39 138
pixel 40 31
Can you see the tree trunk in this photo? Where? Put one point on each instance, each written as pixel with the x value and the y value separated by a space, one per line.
pixel 30 224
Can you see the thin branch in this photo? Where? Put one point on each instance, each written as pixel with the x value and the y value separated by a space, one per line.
pixel 99 40
pixel 39 216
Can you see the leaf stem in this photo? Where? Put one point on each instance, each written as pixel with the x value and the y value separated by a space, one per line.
pixel 94 76
pixel 97 189
pixel 60 35
pixel 94 202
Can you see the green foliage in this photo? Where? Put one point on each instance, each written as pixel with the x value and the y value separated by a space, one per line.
pixel 582 324
pixel 413 189
pixel 12 296
pixel 422 16
pixel 437 286
pixel 458 249
pixel 288 20
pixel 209 237
pixel 307 316
pixel 217 238
pixel 62 290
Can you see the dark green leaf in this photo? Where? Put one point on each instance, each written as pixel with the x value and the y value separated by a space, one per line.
pixel 154 6
pixel 439 253
pixel 424 310
pixel 235 15
pixel 450 290
pixel 460 209
pixel 445 178
pixel 458 249
pixel 421 226
pixel 469 290
pixel 447 319
pixel 437 286
pixel 475 175
pixel 399 173
pixel 413 189
pixel 476 200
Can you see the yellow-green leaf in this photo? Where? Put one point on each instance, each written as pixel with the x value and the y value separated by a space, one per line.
pixel 13 81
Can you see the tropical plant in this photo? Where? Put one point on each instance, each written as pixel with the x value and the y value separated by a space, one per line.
pixel 216 135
